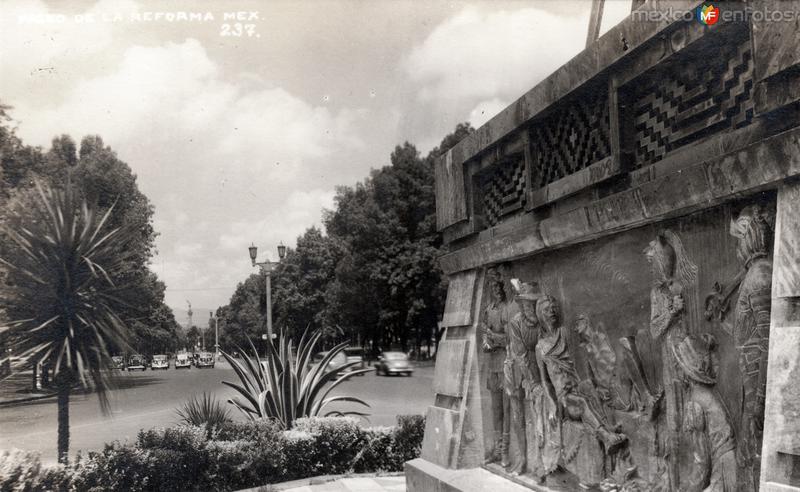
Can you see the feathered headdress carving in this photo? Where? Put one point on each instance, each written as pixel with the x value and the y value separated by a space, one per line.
pixel 685 270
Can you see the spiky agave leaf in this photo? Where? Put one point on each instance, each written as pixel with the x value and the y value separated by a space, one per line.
pixel 284 388
pixel 62 264
pixel 205 410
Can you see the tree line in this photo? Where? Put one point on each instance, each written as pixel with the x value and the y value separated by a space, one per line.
pixel 104 182
pixel 371 277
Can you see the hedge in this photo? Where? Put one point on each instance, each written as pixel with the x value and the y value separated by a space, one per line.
pixel 236 456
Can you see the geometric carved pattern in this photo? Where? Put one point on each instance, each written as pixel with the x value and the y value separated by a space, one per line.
pixel 692 99
pixel 504 190
pixel 570 139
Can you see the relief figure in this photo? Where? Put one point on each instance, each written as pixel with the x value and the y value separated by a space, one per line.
pixel 521 378
pixel 621 385
pixel 671 273
pixel 706 421
pixel 494 339
pixel 750 332
pixel 576 433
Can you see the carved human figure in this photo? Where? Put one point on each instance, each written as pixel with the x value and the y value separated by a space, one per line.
pixel 621 385
pixel 494 339
pixel 750 332
pixel 706 421
pixel 671 273
pixel 569 399
pixel 520 375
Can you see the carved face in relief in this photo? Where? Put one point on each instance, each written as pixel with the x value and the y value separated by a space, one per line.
pixel 498 292
pixel 548 312
pixel 661 257
pixel 528 308
pixel 584 328
pixel 753 232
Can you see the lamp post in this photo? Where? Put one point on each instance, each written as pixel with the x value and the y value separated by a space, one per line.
pixel 267 267
pixel 216 332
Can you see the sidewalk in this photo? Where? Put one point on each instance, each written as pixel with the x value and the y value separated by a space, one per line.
pixel 392 483
pixel 17 388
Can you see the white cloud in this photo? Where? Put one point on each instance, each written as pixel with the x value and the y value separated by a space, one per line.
pixel 485 110
pixel 47 49
pixel 223 164
pixel 284 223
pixel 480 55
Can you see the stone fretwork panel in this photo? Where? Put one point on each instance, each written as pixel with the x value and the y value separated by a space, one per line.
pixel 570 139
pixel 691 98
pixel 504 191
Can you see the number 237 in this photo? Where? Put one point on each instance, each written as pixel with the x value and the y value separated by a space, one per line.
pixel 238 30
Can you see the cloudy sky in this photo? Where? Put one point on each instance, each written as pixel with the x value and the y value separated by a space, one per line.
pixel 240 139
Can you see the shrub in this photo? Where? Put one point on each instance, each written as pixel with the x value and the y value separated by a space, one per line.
pixel 22 471
pixel 161 459
pixel 377 453
pixel 117 467
pixel 337 441
pixel 266 431
pixel 239 455
pixel 408 436
pixel 205 411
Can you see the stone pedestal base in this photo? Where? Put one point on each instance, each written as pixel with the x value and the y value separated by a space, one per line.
pixel 424 476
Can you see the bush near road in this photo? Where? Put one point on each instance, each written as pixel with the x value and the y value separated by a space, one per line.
pixel 236 456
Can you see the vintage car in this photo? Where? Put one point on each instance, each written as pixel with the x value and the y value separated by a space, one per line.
pixel 159 362
pixel 390 363
pixel 118 361
pixel 355 354
pixel 136 362
pixel 335 363
pixel 205 359
pixel 183 359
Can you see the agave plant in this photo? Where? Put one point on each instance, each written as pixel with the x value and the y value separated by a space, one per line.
pixel 62 262
pixel 284 387
pixel 205 410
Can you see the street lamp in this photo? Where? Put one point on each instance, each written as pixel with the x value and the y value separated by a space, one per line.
pixel 216 332
pixel 267 267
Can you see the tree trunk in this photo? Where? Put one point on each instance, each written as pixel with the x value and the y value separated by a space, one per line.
pixel 35 380
pixel 64 384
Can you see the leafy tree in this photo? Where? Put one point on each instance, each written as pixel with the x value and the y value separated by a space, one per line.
pixel 64 269
pixel 245 316
pixel 102 179
pixel 299 284
pixel 374 279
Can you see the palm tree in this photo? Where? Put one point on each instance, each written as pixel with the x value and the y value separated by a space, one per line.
pixel 62 264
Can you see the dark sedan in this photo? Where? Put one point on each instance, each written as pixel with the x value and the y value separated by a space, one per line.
pixel 390 363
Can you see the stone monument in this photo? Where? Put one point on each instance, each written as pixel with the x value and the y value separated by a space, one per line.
pixel 623 308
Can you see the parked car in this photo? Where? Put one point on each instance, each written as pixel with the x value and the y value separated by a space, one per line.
pixel 355 354
pixel 136 362
pixel 183 360
pixel 119 362
pixel 159 362
pixel 390 363
pixel 336 362
pixel 205 359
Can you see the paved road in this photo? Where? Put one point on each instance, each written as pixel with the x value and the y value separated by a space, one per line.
pixel 149 399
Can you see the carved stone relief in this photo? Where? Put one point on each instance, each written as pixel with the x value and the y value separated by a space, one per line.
pixel 749 329
pixel 494 340
pixel 706 421
pixel 609 373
